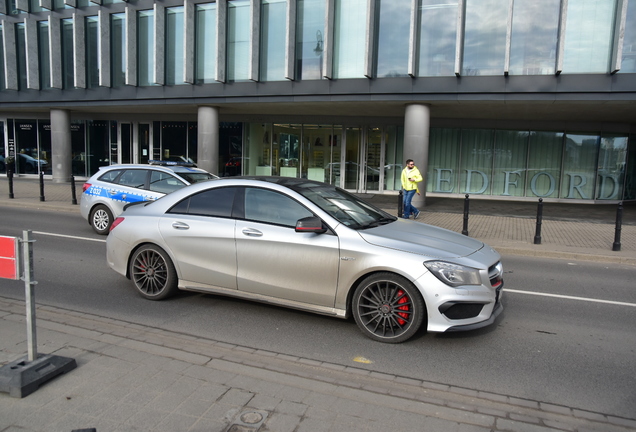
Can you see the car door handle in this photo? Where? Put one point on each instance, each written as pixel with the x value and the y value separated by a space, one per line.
pixel 180 226
pixel 251 232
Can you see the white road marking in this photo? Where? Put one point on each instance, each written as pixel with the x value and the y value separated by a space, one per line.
pixel 591 300
pixel 68 236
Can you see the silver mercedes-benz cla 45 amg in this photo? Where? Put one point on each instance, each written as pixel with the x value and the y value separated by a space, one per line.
pixel 310 246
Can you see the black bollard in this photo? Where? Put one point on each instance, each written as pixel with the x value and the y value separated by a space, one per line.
pixel 400 203
pixel 616 247
pixel 10 178
pixel 466 205
pixel 537 233
pixel 73 194
pixel 41 186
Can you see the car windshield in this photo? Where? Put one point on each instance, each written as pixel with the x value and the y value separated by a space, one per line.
pixel 195 177
pixel 345 207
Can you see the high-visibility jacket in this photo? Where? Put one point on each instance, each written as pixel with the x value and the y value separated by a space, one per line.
pixel 414 174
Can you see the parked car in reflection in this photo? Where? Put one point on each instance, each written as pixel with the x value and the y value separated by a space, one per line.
pixel 310 246
pixel 30 165
pixel 107 192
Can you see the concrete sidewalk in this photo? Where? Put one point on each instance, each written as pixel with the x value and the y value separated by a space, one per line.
pixel 569 231
pixel 131 377
pixel 135 378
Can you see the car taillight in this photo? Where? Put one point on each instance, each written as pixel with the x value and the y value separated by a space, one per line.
pixel 116 222
pixel 86 186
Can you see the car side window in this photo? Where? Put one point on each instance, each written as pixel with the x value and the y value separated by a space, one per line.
pixel 164 182
pixel 134 178
pixel 110 176
pixel 216 202
pixel 267 206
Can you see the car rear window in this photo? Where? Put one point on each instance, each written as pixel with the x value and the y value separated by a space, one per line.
pixel 110 176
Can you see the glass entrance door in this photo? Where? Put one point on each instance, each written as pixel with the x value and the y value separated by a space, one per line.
pixel 144 132
pixel 125 143
pixel 372 174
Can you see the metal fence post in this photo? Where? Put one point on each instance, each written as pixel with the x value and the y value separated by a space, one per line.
pixel 400 203
pixel 73 193
pixel 42 186
pixel 466 206
pixel 537 233
pixel 10 178
pixel 616 247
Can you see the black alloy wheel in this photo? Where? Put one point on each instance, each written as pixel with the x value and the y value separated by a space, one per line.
pixel 153 273
pixel 388 308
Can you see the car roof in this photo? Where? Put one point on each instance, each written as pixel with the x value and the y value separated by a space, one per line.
pixel 166 168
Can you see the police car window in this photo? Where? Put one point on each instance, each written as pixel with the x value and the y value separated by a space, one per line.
pixel 164 182
pixel 110 176
pixel 272 207
pixel 133 178
pixel 214 202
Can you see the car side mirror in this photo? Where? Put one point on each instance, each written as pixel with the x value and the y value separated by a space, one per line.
pixel 310 224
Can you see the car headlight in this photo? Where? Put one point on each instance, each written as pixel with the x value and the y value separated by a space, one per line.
pixel 454 274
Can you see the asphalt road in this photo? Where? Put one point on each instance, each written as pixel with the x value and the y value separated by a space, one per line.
pixel 551 347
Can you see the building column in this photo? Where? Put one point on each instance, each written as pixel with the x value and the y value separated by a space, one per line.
pixel 61 153
pixel 417 123
pixel 208 139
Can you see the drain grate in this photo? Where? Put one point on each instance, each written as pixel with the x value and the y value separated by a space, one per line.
pixel 248 421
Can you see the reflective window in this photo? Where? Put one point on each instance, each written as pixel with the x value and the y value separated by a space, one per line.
pixel 351 169
pixel 612 161
pixel 588 36
pixel 205 56
pixel 146 47
pixel 628 63
pixel 310 30
pixel 510 160
pixel 579 166
pixel 544 164
pixel 174 45
pixel 273 26
pixel 630 174
pixel 443 160
pixel 174 140
pixel 68 72
pixel 238 40
pixel 134 178
pixel 92 52
pixel 535 27
pixel 105 2
pixel 20 42
pixel 437 36
pixel 394 158
pixel 350 31
pixel 118 49
pixel 476 161
pixel 272 207
pixel 44 56
pixel 393 18
pixel 34 6
pixel 485 38
pixel 164 182
pixel 215 202
pixel 286 146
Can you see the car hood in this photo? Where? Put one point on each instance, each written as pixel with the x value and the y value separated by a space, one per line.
pixel 423 239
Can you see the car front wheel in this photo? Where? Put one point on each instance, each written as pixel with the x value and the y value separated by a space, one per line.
pixel 388 308
pixel 153 273
pixel 101 219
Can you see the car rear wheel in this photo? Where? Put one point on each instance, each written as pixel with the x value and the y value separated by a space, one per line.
pixel 101 219
pixel 388 308
pixel 153 273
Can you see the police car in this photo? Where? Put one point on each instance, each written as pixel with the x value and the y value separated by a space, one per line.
pixel 106 193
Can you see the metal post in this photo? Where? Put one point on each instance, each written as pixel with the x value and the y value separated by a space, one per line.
pixel 41 186
pixel 616 247
pixel 29 284
pixel 466 205
pixel 400 203
pixel 73 194
pixel 10 178
pixel 537 233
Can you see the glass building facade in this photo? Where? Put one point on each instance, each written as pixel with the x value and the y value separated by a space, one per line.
pixel 527 99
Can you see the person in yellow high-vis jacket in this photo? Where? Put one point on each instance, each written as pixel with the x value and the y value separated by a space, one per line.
pixel 410 178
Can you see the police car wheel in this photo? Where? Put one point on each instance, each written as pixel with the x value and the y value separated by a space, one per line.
pixel 101 219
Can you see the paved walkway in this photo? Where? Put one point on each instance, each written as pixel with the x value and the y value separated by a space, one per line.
pixel 135 378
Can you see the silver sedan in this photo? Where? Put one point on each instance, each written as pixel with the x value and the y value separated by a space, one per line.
pixel 310 246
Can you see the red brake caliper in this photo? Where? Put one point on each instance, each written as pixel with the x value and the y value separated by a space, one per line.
pixel 404 308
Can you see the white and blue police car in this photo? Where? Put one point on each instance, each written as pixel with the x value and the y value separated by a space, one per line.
pixel 106 193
